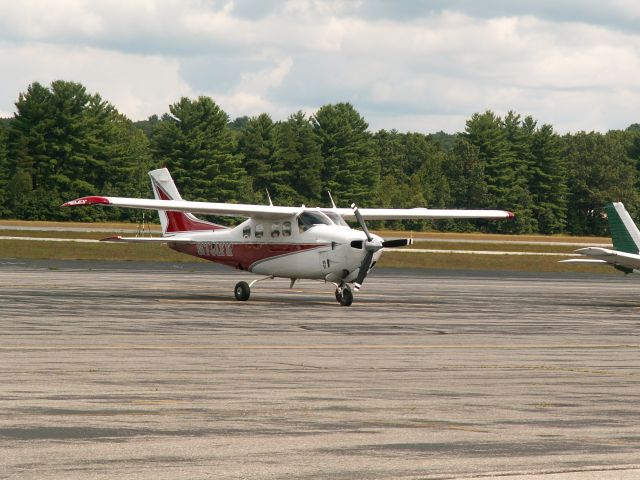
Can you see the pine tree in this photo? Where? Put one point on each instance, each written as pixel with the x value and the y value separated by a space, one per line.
pixel 486 133
pixel 4 173
pixel 548 181
pixel 255 144
pixel 424 159
pixel 351 168
pixel 600 172
pixel 467 180
pixel 519 136
pixel 390 149
pixel 63 143
pixel 506 188
pixel 195 143
pixel 296 166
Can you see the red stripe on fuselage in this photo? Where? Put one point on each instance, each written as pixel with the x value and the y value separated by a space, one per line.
pixel 242 256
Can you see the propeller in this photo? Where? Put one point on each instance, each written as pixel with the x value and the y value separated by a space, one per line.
pixel 372 245
pixel 398 242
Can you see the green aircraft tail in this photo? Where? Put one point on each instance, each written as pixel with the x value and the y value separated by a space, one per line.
pixel 624 232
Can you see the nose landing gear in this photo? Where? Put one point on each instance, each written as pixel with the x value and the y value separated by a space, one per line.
pixel 344 295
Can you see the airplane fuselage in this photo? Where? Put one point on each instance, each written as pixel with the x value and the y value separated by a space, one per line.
pixel 283 248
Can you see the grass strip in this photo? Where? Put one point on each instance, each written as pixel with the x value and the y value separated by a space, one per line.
pixel 19 249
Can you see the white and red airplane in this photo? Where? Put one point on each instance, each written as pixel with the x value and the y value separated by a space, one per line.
pixel 274 241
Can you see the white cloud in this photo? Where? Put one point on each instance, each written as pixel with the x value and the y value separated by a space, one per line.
pixel 138 86
pixel 36 20
pixel 250 97
pixel 264 80
pixel 419 66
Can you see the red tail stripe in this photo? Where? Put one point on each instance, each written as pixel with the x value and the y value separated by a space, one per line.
pixel 184 222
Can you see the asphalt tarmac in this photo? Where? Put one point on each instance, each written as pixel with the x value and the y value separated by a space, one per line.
pixel 131 370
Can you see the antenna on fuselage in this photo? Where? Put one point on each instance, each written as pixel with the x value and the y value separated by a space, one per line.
pixel 269 197
pixel 331 198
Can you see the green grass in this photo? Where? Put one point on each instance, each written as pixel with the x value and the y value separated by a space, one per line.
pixel 493 247
pixel 523 263
pixel 115 225
pixel 91 251
pixel 18 249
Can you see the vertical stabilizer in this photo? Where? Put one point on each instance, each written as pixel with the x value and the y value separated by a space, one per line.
pixel 624 232
pixel 175 222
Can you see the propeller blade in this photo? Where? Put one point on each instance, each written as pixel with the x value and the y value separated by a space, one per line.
pixel 399 242
pixel 364 269
pixel 361 222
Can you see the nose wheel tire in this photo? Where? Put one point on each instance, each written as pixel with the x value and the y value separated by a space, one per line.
pixel 345 297
pixel 242 291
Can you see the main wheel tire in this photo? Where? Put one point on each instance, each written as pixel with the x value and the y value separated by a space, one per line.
pixel 347 297
pixel 338 295
pixel 242 291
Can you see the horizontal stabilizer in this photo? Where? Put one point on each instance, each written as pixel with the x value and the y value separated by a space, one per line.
pixel 616 258
pixel 596 251
pixel 119 239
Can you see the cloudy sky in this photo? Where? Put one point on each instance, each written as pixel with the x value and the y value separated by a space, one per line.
pixel 411 65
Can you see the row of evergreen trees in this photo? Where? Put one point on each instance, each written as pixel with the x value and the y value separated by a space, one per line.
pixel 65 142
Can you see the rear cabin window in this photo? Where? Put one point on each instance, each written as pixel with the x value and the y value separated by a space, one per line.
pixel 246 231
pixel 259 230
pixel 275 230
pixel 286 229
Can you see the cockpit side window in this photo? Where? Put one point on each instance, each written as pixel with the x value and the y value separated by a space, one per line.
pixel 335 218
pixel 308 219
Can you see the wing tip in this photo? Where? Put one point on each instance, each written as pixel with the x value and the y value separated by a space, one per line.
pixel 510 215
pixel 92 200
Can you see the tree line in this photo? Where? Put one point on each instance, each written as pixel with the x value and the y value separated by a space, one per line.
pixel 65 142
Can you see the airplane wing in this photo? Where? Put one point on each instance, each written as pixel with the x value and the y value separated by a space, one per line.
pixel 605 255
pixel 584 261
pixel 418 213
pixel 208 208
pixel 276 212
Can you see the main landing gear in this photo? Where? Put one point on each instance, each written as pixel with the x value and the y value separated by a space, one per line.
pixel 242 291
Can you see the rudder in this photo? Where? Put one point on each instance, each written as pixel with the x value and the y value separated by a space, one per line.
pixel 164 188
pixel 624 232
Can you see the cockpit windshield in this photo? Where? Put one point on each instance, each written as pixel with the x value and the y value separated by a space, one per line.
pixel 308 219
pixel 335 218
